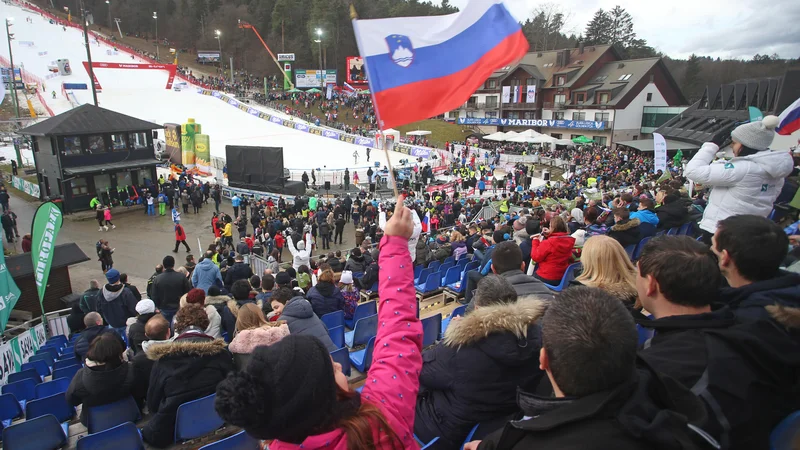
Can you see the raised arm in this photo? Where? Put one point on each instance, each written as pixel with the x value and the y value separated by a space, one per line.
pixel 701 169
pixel 290 244
pixel 393 380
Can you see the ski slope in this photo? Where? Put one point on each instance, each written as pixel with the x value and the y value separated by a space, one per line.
pixel 141 93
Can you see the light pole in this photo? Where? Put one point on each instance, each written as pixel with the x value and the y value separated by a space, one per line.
pixel 110 25
pixel 318 40
pixel 155 16
pixel 88 51
pixel 218 36
pixel 13 83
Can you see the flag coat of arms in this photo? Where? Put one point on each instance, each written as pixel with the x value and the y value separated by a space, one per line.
pixel 420 67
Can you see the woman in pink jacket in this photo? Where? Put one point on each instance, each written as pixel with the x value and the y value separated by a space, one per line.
pixel 293 393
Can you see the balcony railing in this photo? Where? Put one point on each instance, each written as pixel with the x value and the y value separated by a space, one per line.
pixel 476 106
pixel 519 106
pixel 554 105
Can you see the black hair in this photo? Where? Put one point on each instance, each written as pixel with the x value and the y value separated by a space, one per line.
pixel 686 270
pixel 583 323
pixel 168 262
pixel 267 282
pixel 506 256
pixel 282 295
pixel 241 289
pixel 756 244
pixel 107 349
pixel 494 289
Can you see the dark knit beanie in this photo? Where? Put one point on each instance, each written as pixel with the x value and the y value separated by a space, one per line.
pixel 286 392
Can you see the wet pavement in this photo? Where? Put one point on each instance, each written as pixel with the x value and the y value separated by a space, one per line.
pixel 140 241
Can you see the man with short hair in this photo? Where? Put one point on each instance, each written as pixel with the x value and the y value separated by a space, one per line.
pixel 267 285
pixel 750 250
pixel 601 399
pixel 507 262
pixel 206 273
pixel 88 301
pixel 625 230
pixel 115 302
pixel 238 271
pixel 94 327
pixel 646 212
pixel 744 371
pixel 158 271
pixel 123 278
pixel 169 287
pixel 157 331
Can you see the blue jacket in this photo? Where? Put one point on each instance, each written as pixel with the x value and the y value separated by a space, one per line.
pixel 481 185
pixel 206 274
pixel 645 216
pixel 235 200
pixel 748 302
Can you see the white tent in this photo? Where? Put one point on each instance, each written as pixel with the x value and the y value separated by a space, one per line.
pixel 529 134
pixel 521 138
pixel 392 132
pixel 563 142
pixel 499 136
pixel 418 133
pixel 543 139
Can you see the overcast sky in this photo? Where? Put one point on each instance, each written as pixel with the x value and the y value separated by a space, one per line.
pixel 678 28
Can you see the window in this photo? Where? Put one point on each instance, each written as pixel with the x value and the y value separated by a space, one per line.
pixel 514 83
pixel 529 115
pixel 72 146
pixel 625 77
pixel 124 179
pixel 560 98
pixel 472 101
pixel 46 186
pixel 561 80
pixel 96 144
pixel 145 175
pixel 530 81
pixel 649 96
pixel 579 98
pixel 53 145
pixel 579 116
pixel 80 186
pixel 548 65
pixel 513 115
pixel 102 182
pixel 470 114
pixel 636 137
pixel 600 79
pixel 558 115
pixel 118 143
pixel 602 98
pixel 491 101
pixel 138 141
pixel 573 136
pixel 602 117
pixel 601 140
pixel 491 84
pixel 35 145
pixel 556 135
pixel 491 114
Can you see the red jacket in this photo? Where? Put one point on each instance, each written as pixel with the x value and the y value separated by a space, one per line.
pixel 180 234
pixel 552 255
pixel 217 231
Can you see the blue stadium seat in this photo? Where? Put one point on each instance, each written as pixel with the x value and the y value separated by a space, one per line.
pixel 66 362
pixel 445 267
pixel 67 352
pixel 23 390
pixel 639 247
pixel 362 359
pixel 74 338
pixel 365 329
pixel 423 276
pixel 10 409
pixel 417 271
pixel 431 329
pixel 52 351
pixel 24 374
pixel 644 334
pixel 334 319
pixel 569 275
pixel 197 418
pixel 342 356
pixel 434 265
pixel 239 441
pixel 125 436
pixel 453 275
pixel 365 309
pixel 104 417
pixel 459 286
pixel 58 338
pixel 686 229
pixel 55 404
pixel 460 311
pixel 449 259
pixel 432 284
pixel 44 356
pixel 429 444
pixel 66 372
pixel 54 387
pixel 647 229
pixel 337 336
pixel 672 231
pixel 629 250
pixel 462 263
pixel 786 433
pixel 41 433
pixel 41 367
pixel 472 265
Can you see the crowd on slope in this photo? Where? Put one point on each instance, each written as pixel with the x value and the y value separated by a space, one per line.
pixel 628 355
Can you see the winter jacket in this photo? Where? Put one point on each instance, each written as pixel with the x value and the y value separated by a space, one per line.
pixel 748 302
pixel 355 264
pixel 88 301
pixel 673 214
pixel 473 375
pixel 188 368
pixel 526 287
pixel 701 352
pixel 623 292
pixel 116 303
pixel 273 265
pixel 423 254
pixel 206 274
pixel 647 412
pixel 238 271
pixel 325 298
pixel 180 233
pixel 459 249
pixel 301 257
pixel 96 385
pixel 136 333
pixel 397 356
pixel 246 341
pixel 645 216
pixel 552 255
pixel 86 338
pixel 626 232
pixel 300 317
pixel 743 185
pixel 168 289
pixel 336 264
pixel 229 312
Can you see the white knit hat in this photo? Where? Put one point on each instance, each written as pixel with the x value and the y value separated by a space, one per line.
pixel 347 277
pixel 756 135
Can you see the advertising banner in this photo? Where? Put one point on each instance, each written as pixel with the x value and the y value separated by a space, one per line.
pixel 571 124
pixel 285 56
pixel 7 363
pixel 26 187
pixel 305 79
pixel 530 96
pixel 660 152
pixel 45 228
pixel 356 75
pixel 208 56
pixel 172 137
pixel 190 129
pixel 202 154
pixel 9 293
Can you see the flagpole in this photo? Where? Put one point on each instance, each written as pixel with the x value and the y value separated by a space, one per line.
pixel 354 18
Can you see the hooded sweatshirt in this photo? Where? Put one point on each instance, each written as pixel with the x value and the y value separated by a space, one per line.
pixel 302 257
pixel 300 317
pixel 116 303
pixel 743 185
pixel 206 274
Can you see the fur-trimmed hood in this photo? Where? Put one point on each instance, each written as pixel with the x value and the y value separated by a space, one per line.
pixel 625 225
pixel 216 300
pixel 787 316
pixel 187 344
pixel 514 318
pixel 246 341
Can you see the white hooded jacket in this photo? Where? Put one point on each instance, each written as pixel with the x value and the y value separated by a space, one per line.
pixel 302 255
pixel 743 185
pixel 412 241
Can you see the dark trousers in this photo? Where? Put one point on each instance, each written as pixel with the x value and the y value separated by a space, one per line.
pixel 338 236
pixel 235 211
pixel 347 215
pixel 186 208
pixel 216 205
pixel 178 243
pixel 473 277
pixel 168 314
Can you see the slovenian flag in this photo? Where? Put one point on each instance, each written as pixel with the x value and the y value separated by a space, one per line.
pixel 789 119
pixel 420 67
pixel 348 89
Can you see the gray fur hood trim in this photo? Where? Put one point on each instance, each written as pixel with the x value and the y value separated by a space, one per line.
pixel 502 318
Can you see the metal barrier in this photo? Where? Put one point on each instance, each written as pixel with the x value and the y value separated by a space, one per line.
pixel 56 325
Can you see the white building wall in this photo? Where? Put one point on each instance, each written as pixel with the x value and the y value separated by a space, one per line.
pixel 630 118
pixel 548 113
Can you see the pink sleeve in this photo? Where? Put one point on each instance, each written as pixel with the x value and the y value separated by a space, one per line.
pixel 393 380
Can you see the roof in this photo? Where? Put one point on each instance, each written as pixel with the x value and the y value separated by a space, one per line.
pixel 618 77
pixel 64 255
pixel 128 164
pixel 88 119
pixel 646 145
pixel 531 70
pixel 548 62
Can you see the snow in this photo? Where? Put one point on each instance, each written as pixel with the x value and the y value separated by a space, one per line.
pixel 141 93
